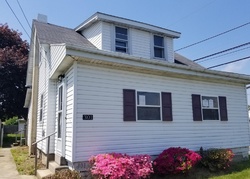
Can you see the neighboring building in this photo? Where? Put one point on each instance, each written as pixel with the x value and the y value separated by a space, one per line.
pixel 116 85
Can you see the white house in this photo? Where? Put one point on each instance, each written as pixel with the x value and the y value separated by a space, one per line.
pixel 116 85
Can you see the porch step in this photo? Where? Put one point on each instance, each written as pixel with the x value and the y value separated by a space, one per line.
pixel 53 167
pixel 43 173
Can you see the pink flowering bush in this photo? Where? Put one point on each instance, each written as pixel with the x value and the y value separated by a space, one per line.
pixel 120 166
pixel 175 160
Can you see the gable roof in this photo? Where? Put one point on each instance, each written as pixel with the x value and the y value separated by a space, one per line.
pixel 53 34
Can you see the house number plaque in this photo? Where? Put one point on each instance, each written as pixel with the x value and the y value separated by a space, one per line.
pixel 87 117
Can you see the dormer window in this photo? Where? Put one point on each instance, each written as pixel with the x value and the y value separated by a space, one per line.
pixel 121 39
pixel 158 47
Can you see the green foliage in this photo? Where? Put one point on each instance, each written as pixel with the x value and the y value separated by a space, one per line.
pixel 65 174
pixel 11 121
pixel 13 68
pixel 216 159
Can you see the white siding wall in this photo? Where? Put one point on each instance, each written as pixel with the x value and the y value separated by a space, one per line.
pixel 99 92
pixel 107 36
pixel 140 43
pixel 69 114
pixel 94 35
pixel 169 47
pixel 58 52
pixel 42 89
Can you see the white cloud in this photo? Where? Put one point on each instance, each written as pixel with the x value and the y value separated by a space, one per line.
pixel 235 67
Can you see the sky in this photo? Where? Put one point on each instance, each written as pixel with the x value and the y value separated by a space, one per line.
pixel 196 20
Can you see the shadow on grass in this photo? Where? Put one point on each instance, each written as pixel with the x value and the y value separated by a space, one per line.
pixel 203 173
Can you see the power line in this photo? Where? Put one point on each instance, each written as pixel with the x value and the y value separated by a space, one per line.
pixel 229 49
pixel 209 38
pixel 223 55
pixel 23 13
pixel 233 61
pixel 17 18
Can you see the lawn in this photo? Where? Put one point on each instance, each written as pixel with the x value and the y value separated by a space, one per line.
pixel 24 163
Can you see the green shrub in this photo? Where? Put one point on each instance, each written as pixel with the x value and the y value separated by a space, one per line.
pixel 65 174
pixel 216 159
pixel 11 121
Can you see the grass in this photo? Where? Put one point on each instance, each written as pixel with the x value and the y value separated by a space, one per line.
pixel 240 170
pixel 24 163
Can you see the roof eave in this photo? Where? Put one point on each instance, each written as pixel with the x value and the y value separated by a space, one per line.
pixel 238 78
pixel 126 22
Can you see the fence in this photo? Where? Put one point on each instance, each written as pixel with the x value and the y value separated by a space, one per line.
pixel 10 129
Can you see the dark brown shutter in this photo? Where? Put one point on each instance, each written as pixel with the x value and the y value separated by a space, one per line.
pixel 129 106
pixel 223 108
pixel 166 106
pixel 196 103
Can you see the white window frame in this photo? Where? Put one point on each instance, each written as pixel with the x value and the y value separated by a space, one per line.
pixel 137 105
pixel 162 47
pixel 41 107
pixel 122 40
pixel 202 108
pixel 60 111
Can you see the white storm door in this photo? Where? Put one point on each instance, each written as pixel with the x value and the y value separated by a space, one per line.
pixel 60 146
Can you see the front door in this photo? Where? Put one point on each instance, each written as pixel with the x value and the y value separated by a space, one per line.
pixel 60 146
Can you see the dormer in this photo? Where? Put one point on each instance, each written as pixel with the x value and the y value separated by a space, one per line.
pixel 120 35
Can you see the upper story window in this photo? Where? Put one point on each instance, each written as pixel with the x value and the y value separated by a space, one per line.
pixel 158 47
pixel 121 39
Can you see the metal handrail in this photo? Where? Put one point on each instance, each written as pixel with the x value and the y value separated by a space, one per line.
pixel 48 143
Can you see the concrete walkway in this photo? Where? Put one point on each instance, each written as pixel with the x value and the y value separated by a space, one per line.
pixel 8 166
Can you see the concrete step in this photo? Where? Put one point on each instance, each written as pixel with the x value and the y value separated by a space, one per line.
pixel 53 167
pixel 43 173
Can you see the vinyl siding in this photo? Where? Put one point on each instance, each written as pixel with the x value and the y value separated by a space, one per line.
pixel 42 90
pixel 69 113
pixel 107 36
pixel 140 43
pixel 99 92
pixel 58 53
pixel 94 34
pixel 169 48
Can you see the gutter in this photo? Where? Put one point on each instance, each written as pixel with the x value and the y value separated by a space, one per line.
pixel 236 76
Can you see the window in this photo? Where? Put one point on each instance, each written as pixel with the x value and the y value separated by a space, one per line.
pixel 148 106
pixel 158 47
pixel 60 110
pixel 41 108
pixel 121 39
pixel 210 108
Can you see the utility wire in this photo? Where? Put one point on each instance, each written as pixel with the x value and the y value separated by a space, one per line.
pixel 233 61
pixel 229 49
pixel 222 55
pixel 23 13
pixel 209 38
pixel 17 18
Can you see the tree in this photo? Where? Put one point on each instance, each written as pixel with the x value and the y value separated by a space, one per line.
pixel 13 66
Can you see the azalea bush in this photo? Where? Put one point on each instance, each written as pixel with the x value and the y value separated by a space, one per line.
pixel 120 166
pixel 216 159
pixel 175 160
